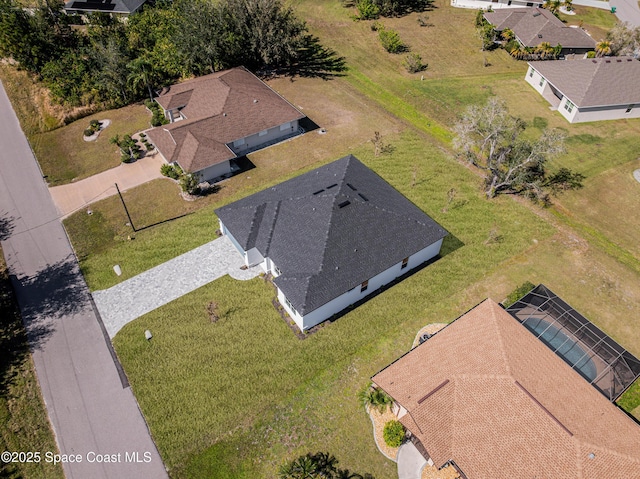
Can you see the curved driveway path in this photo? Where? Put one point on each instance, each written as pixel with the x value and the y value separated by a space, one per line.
pixel 158 286
pixel 91 410
pixel 74 196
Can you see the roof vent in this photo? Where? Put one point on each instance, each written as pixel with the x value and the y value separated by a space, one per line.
pixel 351 186
pixel 591 456
pixel 224 114
pixel 539 35
pixel 537 14
pixel 363 197
pixel 619 61
pixel 332 186
pixel 255 100
pixel 594 61
pixel 318 192
pixel 607 61
pixel 344 203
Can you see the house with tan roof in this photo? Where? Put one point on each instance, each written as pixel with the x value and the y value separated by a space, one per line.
pixel 330 237
pixel 533 26
pixel 591 89
pixel 496 401
pixel 219 117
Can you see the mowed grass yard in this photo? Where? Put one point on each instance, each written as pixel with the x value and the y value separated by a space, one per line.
pixel 64 156
pixel 248 381
pixel 236 398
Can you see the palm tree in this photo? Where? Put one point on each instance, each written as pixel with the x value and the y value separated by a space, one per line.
pixel 139 71
pixel 552 5
pixel 325 464
pixel 375 398
pixel 603 48
pixel 507 34
pixel 301 468
pixel 568 5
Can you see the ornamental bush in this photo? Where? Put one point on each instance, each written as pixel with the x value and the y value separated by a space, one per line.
pixel 518 293
pixel 393 433
pixel 413 63
pixel 391 41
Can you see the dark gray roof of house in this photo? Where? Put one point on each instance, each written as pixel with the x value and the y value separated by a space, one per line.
pixel 533 26
pixel 108 6
pixel 329 230
pixel 594 82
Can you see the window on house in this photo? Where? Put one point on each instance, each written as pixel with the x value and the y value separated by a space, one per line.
pixel 286 126
pixel 263 133
pixel 290 306
pixel 238 143
pixel 569 106
pixel 530 72
pixel 629 108
pixel 364 286
pixel 542 81
pixel 405 262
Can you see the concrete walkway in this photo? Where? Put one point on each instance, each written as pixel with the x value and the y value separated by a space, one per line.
pixel 593 4
pixel 410 462
pixel 158 286
pixel 74 196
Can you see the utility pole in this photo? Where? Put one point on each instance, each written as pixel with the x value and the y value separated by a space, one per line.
pixel 125 209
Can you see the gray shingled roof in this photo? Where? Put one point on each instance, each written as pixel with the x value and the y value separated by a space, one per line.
pixel 596 81
pixel 329 230
pixel 533 26
pixel 108 6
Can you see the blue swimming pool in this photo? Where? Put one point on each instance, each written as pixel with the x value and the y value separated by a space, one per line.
pixel 564 346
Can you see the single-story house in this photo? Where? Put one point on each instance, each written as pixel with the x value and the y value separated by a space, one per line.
pixel 489 397
pixel 120 7
pixel 533 26
pixel 495 4
pixel 591 89
pixel 218 117
pixel 330 237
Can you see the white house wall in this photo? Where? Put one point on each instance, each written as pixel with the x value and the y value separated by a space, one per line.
pixel 579 115
pixel 606 113
pixel 477 4
pixel 336 305
pixel 215 171
pixel 253 141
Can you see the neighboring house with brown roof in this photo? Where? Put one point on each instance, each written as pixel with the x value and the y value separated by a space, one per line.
pixel 533 26
pixel 591 89
pixel 487 394
pixel 330 237
pixel 218 117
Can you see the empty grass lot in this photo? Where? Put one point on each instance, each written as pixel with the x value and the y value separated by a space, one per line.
pixel 64 156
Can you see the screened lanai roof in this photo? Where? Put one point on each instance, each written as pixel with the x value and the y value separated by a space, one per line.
pixel 605 364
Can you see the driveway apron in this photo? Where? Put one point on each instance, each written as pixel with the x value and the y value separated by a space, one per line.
pixel 158 286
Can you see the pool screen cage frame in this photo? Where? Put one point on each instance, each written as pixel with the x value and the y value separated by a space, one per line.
pixel 616 368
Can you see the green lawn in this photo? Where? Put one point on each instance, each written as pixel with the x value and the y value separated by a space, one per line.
pixel 65 157
pixel 24 425
pixel 236 398
pixel 238 383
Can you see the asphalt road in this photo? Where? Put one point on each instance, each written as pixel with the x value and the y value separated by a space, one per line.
pixel 94 414
pixel 627 11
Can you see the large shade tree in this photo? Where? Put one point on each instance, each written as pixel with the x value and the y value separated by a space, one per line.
pixel 491 139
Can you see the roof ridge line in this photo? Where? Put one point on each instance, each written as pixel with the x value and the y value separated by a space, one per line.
pixel 500 338
pixel 399 215
pixel 595 72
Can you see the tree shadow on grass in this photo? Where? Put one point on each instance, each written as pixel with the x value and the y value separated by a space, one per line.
pixel 316 61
